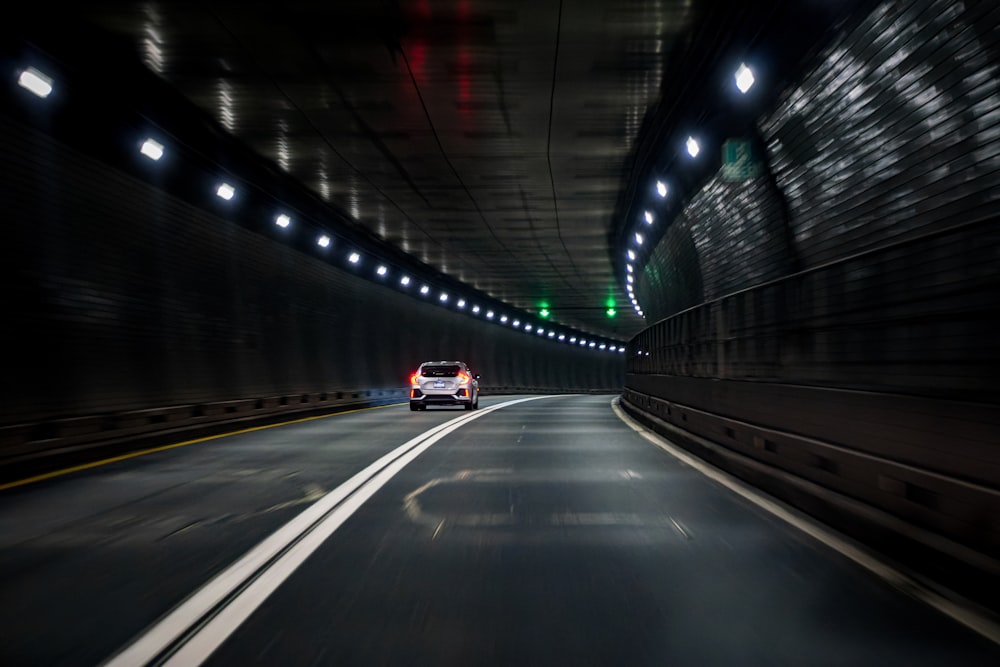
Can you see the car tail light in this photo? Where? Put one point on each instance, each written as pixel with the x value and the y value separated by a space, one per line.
pixel 463 378
pixel 415 378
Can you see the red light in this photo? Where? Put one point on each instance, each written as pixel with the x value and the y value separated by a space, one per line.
pixel 463 378
pixel 415 378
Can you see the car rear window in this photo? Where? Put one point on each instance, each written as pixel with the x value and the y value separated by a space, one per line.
pixel 439 371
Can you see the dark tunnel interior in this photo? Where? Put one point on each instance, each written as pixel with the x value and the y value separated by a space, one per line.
pixel 811 304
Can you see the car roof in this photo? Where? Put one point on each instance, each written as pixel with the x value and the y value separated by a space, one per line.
pixel 443 363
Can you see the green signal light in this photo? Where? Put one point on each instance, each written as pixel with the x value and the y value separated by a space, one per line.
pixel 544 313
pixel 611 312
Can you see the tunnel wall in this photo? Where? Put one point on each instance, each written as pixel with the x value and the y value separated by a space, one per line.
pixel 860 382
pixel 122 300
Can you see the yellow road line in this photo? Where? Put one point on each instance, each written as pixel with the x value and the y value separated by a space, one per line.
pixel 144 452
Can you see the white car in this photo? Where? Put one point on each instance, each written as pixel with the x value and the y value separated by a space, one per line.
pixel 444 383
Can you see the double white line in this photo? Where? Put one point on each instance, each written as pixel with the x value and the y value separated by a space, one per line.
pixel 194 629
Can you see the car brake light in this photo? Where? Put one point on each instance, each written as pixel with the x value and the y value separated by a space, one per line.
pixel 463 378
pixel 415 378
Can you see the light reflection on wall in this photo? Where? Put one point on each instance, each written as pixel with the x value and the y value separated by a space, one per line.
pixel 226 98
pixel 152 40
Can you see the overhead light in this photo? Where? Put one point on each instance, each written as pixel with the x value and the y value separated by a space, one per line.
pixel 527 327
pixel 583 343
pixel 382 270
pixel 648 216
pixel 152 149
pixel 638 238
pixel 405 280
pixel 562 336
pixel 283 221
pixel 573 339
pixel 603 346
pixel 661 188
pixel 461 303
pixel 475 309
pixel 516 323
pixel 540 331
pixel 692 147
pixel 744 78
pixel 425 289
pixel 323 241
pixel 628 267
pixel 354 258
pixel 489 314
pixel 631 255
pixel 591 344
pixel 443 298
pixel 503 319
pixel 226 191
pixel 33 80
pixel 630 278
pixel 552 334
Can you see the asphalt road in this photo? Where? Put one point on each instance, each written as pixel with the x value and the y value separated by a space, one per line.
pixel 543 532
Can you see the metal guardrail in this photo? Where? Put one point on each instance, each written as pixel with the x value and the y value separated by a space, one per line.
pixel 30 447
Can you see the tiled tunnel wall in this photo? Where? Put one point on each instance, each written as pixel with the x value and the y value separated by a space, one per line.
pixel 837 321
pixel 120 297
pixel 884 166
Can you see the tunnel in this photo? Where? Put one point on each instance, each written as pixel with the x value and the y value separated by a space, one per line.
pixel 725 279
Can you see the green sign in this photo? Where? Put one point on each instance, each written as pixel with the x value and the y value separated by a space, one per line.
pixel 740 161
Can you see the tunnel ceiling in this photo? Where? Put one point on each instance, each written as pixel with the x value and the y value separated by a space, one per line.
pixel 500 143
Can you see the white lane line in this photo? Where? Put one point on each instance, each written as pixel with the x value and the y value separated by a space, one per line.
pixel 287 547
pixel 966 614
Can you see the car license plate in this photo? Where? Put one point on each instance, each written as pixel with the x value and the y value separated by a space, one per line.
pixel 439 384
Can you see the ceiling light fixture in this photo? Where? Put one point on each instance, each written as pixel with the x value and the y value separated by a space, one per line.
pixel 152 149
pixel 692 147
pixel 36 82
pixel 226 191
pixel 744 78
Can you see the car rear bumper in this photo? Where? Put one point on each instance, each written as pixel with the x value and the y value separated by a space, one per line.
pixel 461 397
